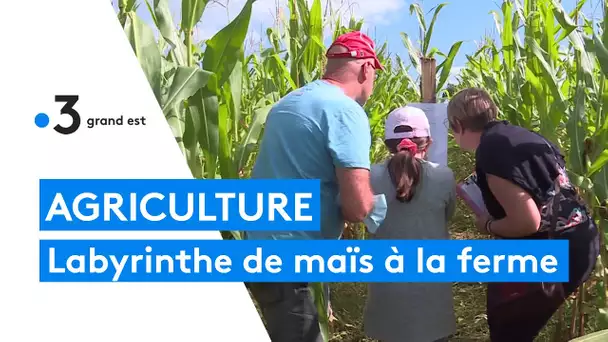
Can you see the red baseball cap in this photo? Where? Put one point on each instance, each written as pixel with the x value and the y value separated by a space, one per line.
pixel 358 45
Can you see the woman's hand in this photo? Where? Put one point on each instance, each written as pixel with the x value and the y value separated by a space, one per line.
pixel 480 223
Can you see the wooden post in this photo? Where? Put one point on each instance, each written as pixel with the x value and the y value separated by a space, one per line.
pixel 428 81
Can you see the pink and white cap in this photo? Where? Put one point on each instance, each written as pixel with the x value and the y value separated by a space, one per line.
pixel 407 116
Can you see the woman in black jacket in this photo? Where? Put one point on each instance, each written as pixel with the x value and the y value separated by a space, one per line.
pixel 528 195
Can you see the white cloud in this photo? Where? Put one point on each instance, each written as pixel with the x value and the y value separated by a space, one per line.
pixel 377 12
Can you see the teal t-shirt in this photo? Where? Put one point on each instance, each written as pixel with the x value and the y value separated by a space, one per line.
pixel 309 133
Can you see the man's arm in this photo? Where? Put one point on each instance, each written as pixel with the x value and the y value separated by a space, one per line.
pixel 356 194
pixel 349 142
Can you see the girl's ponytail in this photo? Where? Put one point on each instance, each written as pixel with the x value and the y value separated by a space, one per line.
pixel 405 169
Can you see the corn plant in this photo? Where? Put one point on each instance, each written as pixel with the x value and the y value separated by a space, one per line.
pixel 425 51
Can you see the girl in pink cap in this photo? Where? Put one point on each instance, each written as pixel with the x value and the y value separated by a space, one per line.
pixel 421 200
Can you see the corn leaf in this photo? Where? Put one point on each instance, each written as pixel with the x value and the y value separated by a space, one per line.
pixel 166 27
pixel 192 11
pixel 222 52
pixel 447 67
pixel 186 82
pixel 142 41
pixel 250 141
pixel 599 163
pixel 412 51
pixel 429 32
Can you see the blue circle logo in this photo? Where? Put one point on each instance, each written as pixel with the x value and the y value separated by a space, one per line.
pixel 41 120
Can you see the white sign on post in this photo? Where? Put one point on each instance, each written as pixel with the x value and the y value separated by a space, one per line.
pixel 437 114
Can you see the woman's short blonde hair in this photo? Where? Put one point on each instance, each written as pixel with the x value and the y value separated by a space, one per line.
pixel 471 109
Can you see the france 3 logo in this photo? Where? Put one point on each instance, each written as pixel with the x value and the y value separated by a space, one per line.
pixel 42 120
pixel 68 109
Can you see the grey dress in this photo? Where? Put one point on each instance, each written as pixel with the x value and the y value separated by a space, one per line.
pixel 413 312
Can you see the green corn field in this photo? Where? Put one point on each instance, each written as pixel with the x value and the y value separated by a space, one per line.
pixel 547 69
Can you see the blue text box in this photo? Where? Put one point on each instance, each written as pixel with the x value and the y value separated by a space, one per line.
pixel 341 260
pixel 183 204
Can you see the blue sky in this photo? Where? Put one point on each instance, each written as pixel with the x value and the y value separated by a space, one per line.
pixel 466 20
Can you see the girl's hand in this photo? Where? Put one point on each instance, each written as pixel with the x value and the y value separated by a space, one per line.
pixel 480 223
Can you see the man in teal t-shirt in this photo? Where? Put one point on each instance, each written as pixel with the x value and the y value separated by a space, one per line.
pixel 319 131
